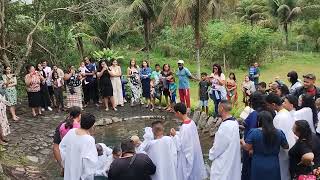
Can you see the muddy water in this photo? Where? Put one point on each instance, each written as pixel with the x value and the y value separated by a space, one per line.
pixel 114 133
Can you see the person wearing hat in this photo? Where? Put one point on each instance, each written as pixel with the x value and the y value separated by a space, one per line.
pixel 184 87
pixel 308 87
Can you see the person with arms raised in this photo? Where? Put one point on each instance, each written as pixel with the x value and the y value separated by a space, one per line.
pixel 226 146
pixel 162 151
pixel 190 164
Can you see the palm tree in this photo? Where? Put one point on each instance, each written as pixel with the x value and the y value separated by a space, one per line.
pixel 286 15
pixel 128 14
pixel 193 12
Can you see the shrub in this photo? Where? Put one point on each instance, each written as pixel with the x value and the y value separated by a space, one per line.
pixel 242 44
pixel 177 42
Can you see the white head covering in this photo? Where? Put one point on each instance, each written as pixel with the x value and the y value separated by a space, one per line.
pixel 180 62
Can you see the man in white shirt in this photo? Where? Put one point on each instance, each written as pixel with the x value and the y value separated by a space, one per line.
pixel 225 153
pixel 283 121
pixel 47 70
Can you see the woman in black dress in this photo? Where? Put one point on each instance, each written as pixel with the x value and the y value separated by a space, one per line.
pixel 305 151
pixel 165 76
pixel 106 85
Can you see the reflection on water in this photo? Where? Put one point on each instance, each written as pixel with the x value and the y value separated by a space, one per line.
pixel 112 135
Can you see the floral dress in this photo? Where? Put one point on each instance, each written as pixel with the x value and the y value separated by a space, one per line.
pixel 135 85
pixel 10 92
pixel 4 125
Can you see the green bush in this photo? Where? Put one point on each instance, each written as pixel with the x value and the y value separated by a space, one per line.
pixel 177 42
pixel 240 43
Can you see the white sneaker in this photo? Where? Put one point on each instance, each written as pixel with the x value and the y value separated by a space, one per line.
pixel 42 109
pixel 49 108
pixel 115 109
pixel 107 109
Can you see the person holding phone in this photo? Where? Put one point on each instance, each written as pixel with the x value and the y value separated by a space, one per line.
pixel 74 93
pixel 104 74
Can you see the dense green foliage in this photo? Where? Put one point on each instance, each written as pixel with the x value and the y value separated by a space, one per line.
pixel 241 31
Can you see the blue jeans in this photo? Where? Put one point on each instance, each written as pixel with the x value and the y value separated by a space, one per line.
pixel 216 101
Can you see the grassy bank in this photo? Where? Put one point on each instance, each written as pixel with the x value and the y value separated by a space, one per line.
pixel 279 67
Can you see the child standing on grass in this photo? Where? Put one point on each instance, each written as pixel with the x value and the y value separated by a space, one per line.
pixel 204 85
pixel 173 93
pixel 58 90
pixel 156 86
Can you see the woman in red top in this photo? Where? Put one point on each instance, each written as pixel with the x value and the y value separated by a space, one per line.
pixel 33 80
pixel 231 87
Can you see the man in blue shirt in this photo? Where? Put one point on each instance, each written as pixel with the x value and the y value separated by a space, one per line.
pixel 90 89
pixel 184 86
pixel 254 73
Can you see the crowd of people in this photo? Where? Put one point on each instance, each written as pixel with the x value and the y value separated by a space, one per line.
pixel 102 82
pixel 279 137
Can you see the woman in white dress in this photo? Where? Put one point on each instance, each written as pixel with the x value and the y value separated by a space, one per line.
pixel 116 83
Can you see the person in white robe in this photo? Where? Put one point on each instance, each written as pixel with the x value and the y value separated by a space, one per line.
pixel 104 153
pixel 308 111
pixel 283 121
pixel 305 114
pixel 162 152
pixel 225 153
pixel 190 164
pixel 78 151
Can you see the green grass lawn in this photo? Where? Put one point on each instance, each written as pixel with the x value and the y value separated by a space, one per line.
pixel 303 63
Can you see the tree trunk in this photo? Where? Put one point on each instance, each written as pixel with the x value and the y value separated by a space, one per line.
pixel 29 43
pixel 217 9
pixel 197 36
pixel 146 29
pixel 285 27
pixel 80 46
pixel 3 55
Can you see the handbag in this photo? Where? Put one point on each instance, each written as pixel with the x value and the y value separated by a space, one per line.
pixel 307 177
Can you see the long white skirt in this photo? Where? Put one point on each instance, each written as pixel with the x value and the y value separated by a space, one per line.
pixel 117 90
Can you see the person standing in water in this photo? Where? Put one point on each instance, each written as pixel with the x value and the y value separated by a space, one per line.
pixel 190 164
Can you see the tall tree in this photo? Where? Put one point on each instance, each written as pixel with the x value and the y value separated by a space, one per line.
pixel 129 14
pixel 3 55
pixel 194 12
